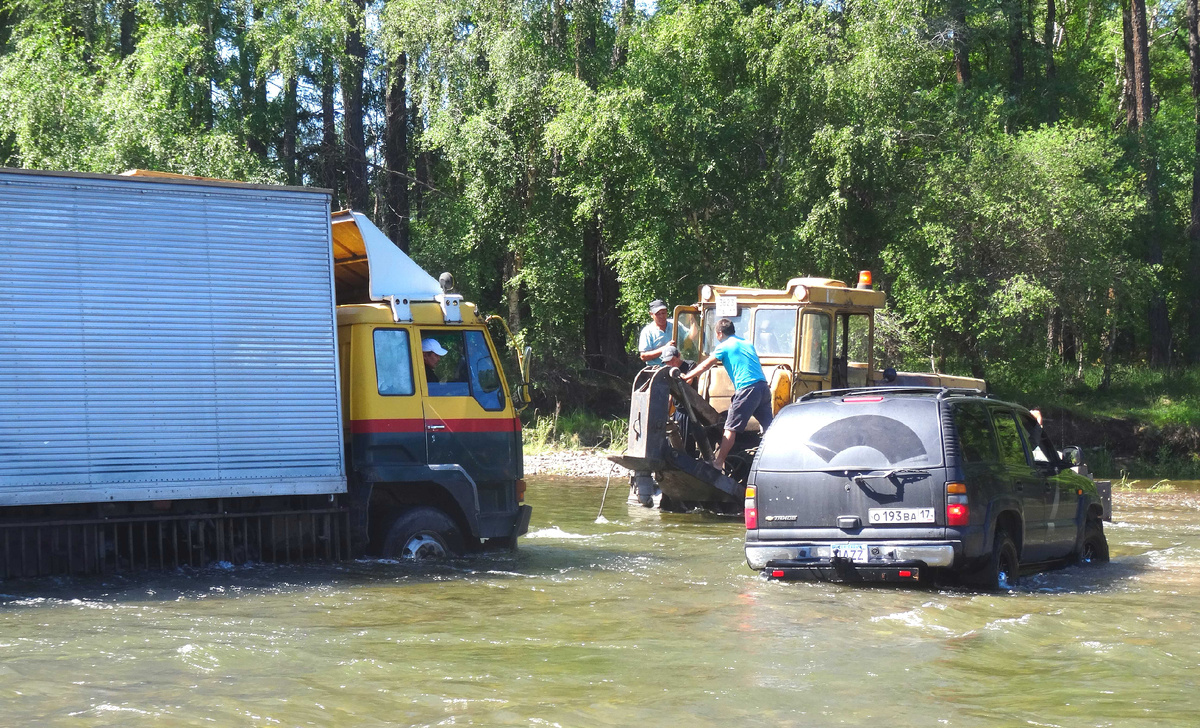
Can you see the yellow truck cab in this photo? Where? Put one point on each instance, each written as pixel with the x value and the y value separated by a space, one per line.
pixel 815 334
pixel 432 433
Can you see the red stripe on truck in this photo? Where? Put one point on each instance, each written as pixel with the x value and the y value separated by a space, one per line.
pixel 473 424
pixel 366 427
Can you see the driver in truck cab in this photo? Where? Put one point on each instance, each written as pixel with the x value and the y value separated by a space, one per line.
pixel 432 352
pixel 751 396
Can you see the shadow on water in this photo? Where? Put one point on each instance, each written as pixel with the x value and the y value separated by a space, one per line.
pixel 229 580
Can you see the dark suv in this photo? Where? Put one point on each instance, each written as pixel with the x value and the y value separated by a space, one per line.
pixel 886 484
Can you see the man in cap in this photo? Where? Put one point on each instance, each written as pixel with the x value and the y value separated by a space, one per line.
pixel 655 335
pixel 672 358
pixel 432 352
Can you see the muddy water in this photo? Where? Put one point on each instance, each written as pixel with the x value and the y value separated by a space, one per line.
pixel 646 619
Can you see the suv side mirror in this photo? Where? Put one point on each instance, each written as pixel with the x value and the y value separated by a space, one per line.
pixel 1072 456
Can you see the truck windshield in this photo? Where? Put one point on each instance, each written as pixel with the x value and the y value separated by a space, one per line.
pixel 741 327
pixel 846 435
pixel 775 332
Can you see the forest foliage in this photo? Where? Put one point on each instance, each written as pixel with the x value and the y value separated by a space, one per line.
pixel 1021 175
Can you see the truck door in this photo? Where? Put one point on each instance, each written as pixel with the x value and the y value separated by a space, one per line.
pixel 468 419
pixel 715 384
pixel 386 421
pixel 686 332
pixel 813 352
pixel 852 334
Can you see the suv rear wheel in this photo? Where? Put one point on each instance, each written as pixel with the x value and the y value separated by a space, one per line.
pixel 1004 565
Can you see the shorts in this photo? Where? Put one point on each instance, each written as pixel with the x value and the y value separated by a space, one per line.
pixel 753 400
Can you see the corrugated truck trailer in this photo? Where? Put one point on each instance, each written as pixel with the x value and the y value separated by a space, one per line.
pixel 170 391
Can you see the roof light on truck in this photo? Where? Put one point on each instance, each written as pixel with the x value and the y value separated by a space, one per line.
pixel 864 279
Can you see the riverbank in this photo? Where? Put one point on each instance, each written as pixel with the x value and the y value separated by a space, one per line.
pixel 582 463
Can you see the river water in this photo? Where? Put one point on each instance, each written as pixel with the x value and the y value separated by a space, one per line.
pixel 645 619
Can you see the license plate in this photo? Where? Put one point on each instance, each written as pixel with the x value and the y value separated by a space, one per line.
pixel 856 552
pixel 887 516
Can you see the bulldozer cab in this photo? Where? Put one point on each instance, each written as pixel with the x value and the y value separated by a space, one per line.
pixel 817 333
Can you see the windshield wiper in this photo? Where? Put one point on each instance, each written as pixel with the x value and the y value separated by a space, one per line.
pixel 862 478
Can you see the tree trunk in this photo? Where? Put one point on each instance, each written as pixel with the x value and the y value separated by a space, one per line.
pixel 962 49
pixel 329 153
pixel 1051 71
pixel 395 150
pixel 585 39
pixel 1053 356
pixel 603 347
pixel 1193 232
pixel 1128 98
pixel 422 164
pixel 1016 38
pixel 512 266
pixel 1140 39
pixel 253 90
pixel 624 21
pixel 128 28
pixel 287 147
pixel 353 137
pixel 1159 317
pixel 1108 339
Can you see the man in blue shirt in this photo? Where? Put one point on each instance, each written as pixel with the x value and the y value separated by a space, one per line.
pixel 655 335
pixel 751 395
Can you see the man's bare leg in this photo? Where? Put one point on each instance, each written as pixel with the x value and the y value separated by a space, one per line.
pixel 726 446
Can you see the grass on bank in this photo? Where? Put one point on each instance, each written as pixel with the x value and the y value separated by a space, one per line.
pixel 1162 401
pixel 1157 397
pixel 573 430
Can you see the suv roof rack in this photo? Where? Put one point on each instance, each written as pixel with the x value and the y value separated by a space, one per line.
pixel 942 392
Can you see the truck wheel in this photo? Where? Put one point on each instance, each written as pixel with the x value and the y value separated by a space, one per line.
pixel 1004 565
pixel 422 534
pixel 1095 546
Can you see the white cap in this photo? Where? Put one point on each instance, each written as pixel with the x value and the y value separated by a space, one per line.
pixel 432 345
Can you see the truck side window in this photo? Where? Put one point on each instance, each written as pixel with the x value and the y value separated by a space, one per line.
pixel 814 346
pixel 393 362
pixel 485 380
pixel 1012 450
pixel 448 377
pixel 975 438
pixel 775 332
pixel 852 335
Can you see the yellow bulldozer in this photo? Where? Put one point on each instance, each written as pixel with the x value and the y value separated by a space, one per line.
pixel 815 334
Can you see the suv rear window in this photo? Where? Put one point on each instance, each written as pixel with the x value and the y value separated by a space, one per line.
pixel 846 435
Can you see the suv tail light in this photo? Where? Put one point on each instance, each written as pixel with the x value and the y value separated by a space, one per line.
pixel 958 513
pixel 751 508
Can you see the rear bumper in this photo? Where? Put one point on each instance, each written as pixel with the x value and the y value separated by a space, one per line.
pixel 842 570
pixel 763 555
